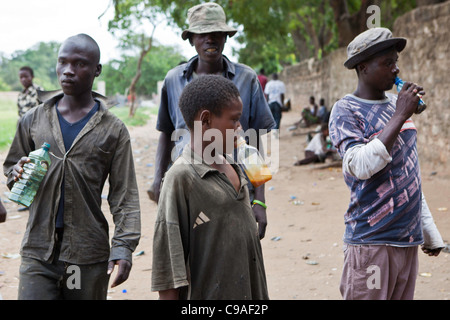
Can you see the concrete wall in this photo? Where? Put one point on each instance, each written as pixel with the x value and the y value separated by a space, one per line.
pixel 425 61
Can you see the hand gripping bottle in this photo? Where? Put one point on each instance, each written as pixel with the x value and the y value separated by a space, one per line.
pixel 24 190
pixel 421 106
pixel 254 165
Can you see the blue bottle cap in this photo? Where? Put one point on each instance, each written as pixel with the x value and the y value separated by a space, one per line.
pixel 46 146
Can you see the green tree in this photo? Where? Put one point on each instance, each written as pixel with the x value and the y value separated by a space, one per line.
pixel 281 32
pixel 351 15
pixel 3 85
pixel 131 20
pixel 40 57
pixel 155 65
pixel 275 33
pixel 303 28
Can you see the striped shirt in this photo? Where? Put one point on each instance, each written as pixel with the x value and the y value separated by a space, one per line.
pixel 385 208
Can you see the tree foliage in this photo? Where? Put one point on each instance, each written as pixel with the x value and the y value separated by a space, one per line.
pixel 273 34
pixel 131 18
pixel 281 32
pixel 351 15
pixel 41 58
pixel 118 73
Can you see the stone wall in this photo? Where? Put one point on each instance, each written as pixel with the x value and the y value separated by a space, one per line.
pixel 425 61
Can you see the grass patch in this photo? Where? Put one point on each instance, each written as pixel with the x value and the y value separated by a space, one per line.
pixel 9 118
pixel 140 118
pixel 8 121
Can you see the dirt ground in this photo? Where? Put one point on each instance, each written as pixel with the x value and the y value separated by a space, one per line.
pixel 303 243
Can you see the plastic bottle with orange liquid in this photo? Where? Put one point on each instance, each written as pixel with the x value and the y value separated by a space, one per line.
pixel 253 163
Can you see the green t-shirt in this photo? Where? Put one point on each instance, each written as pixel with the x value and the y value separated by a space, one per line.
pixel 206 238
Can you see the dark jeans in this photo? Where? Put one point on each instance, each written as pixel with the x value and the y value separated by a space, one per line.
pixel 275 107
pixel 62 281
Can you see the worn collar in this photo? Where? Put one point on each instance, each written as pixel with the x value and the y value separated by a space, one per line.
pixel 50 97
pixel 197 161
pixel 203 168
pixel 188 70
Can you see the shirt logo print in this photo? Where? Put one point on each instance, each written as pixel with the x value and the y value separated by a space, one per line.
pixel 202 218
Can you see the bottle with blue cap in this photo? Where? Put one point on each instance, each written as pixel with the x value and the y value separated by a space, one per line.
pixel 24 190
pixel 421 105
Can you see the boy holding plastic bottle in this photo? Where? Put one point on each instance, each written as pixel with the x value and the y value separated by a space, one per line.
pixel 206 244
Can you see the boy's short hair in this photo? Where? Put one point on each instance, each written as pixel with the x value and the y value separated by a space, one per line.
pixel 27 68
pixel 207 92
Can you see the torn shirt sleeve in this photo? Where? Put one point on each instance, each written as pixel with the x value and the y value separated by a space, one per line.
pixel 431 236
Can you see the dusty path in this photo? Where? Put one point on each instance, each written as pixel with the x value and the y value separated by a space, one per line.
pixel 302 248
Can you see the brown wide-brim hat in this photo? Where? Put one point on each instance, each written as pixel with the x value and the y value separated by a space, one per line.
pixel 207 18
pixel 369 43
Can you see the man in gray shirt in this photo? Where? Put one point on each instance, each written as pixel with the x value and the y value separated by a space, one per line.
pixel 209 41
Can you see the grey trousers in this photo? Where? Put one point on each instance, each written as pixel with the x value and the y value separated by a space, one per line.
pixel 62 281
pixel 379 272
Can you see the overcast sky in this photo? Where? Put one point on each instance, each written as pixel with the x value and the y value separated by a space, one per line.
pixel 23 23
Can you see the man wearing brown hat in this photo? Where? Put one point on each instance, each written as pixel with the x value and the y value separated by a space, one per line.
pixel 208 32
pixel 388 217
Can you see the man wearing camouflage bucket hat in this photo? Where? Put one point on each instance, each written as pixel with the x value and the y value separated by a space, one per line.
pixel 388 216
pixel 206 18
pixel 208 32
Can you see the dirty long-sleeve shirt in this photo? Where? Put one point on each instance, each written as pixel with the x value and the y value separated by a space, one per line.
pixel 101 150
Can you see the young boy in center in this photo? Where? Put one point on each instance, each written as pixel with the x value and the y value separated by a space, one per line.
pixel 206 244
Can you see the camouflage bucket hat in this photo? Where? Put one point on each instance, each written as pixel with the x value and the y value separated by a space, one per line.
pixel 207 18
pixel 370 42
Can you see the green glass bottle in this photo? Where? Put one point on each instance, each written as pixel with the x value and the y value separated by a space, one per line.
pixel 24 190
